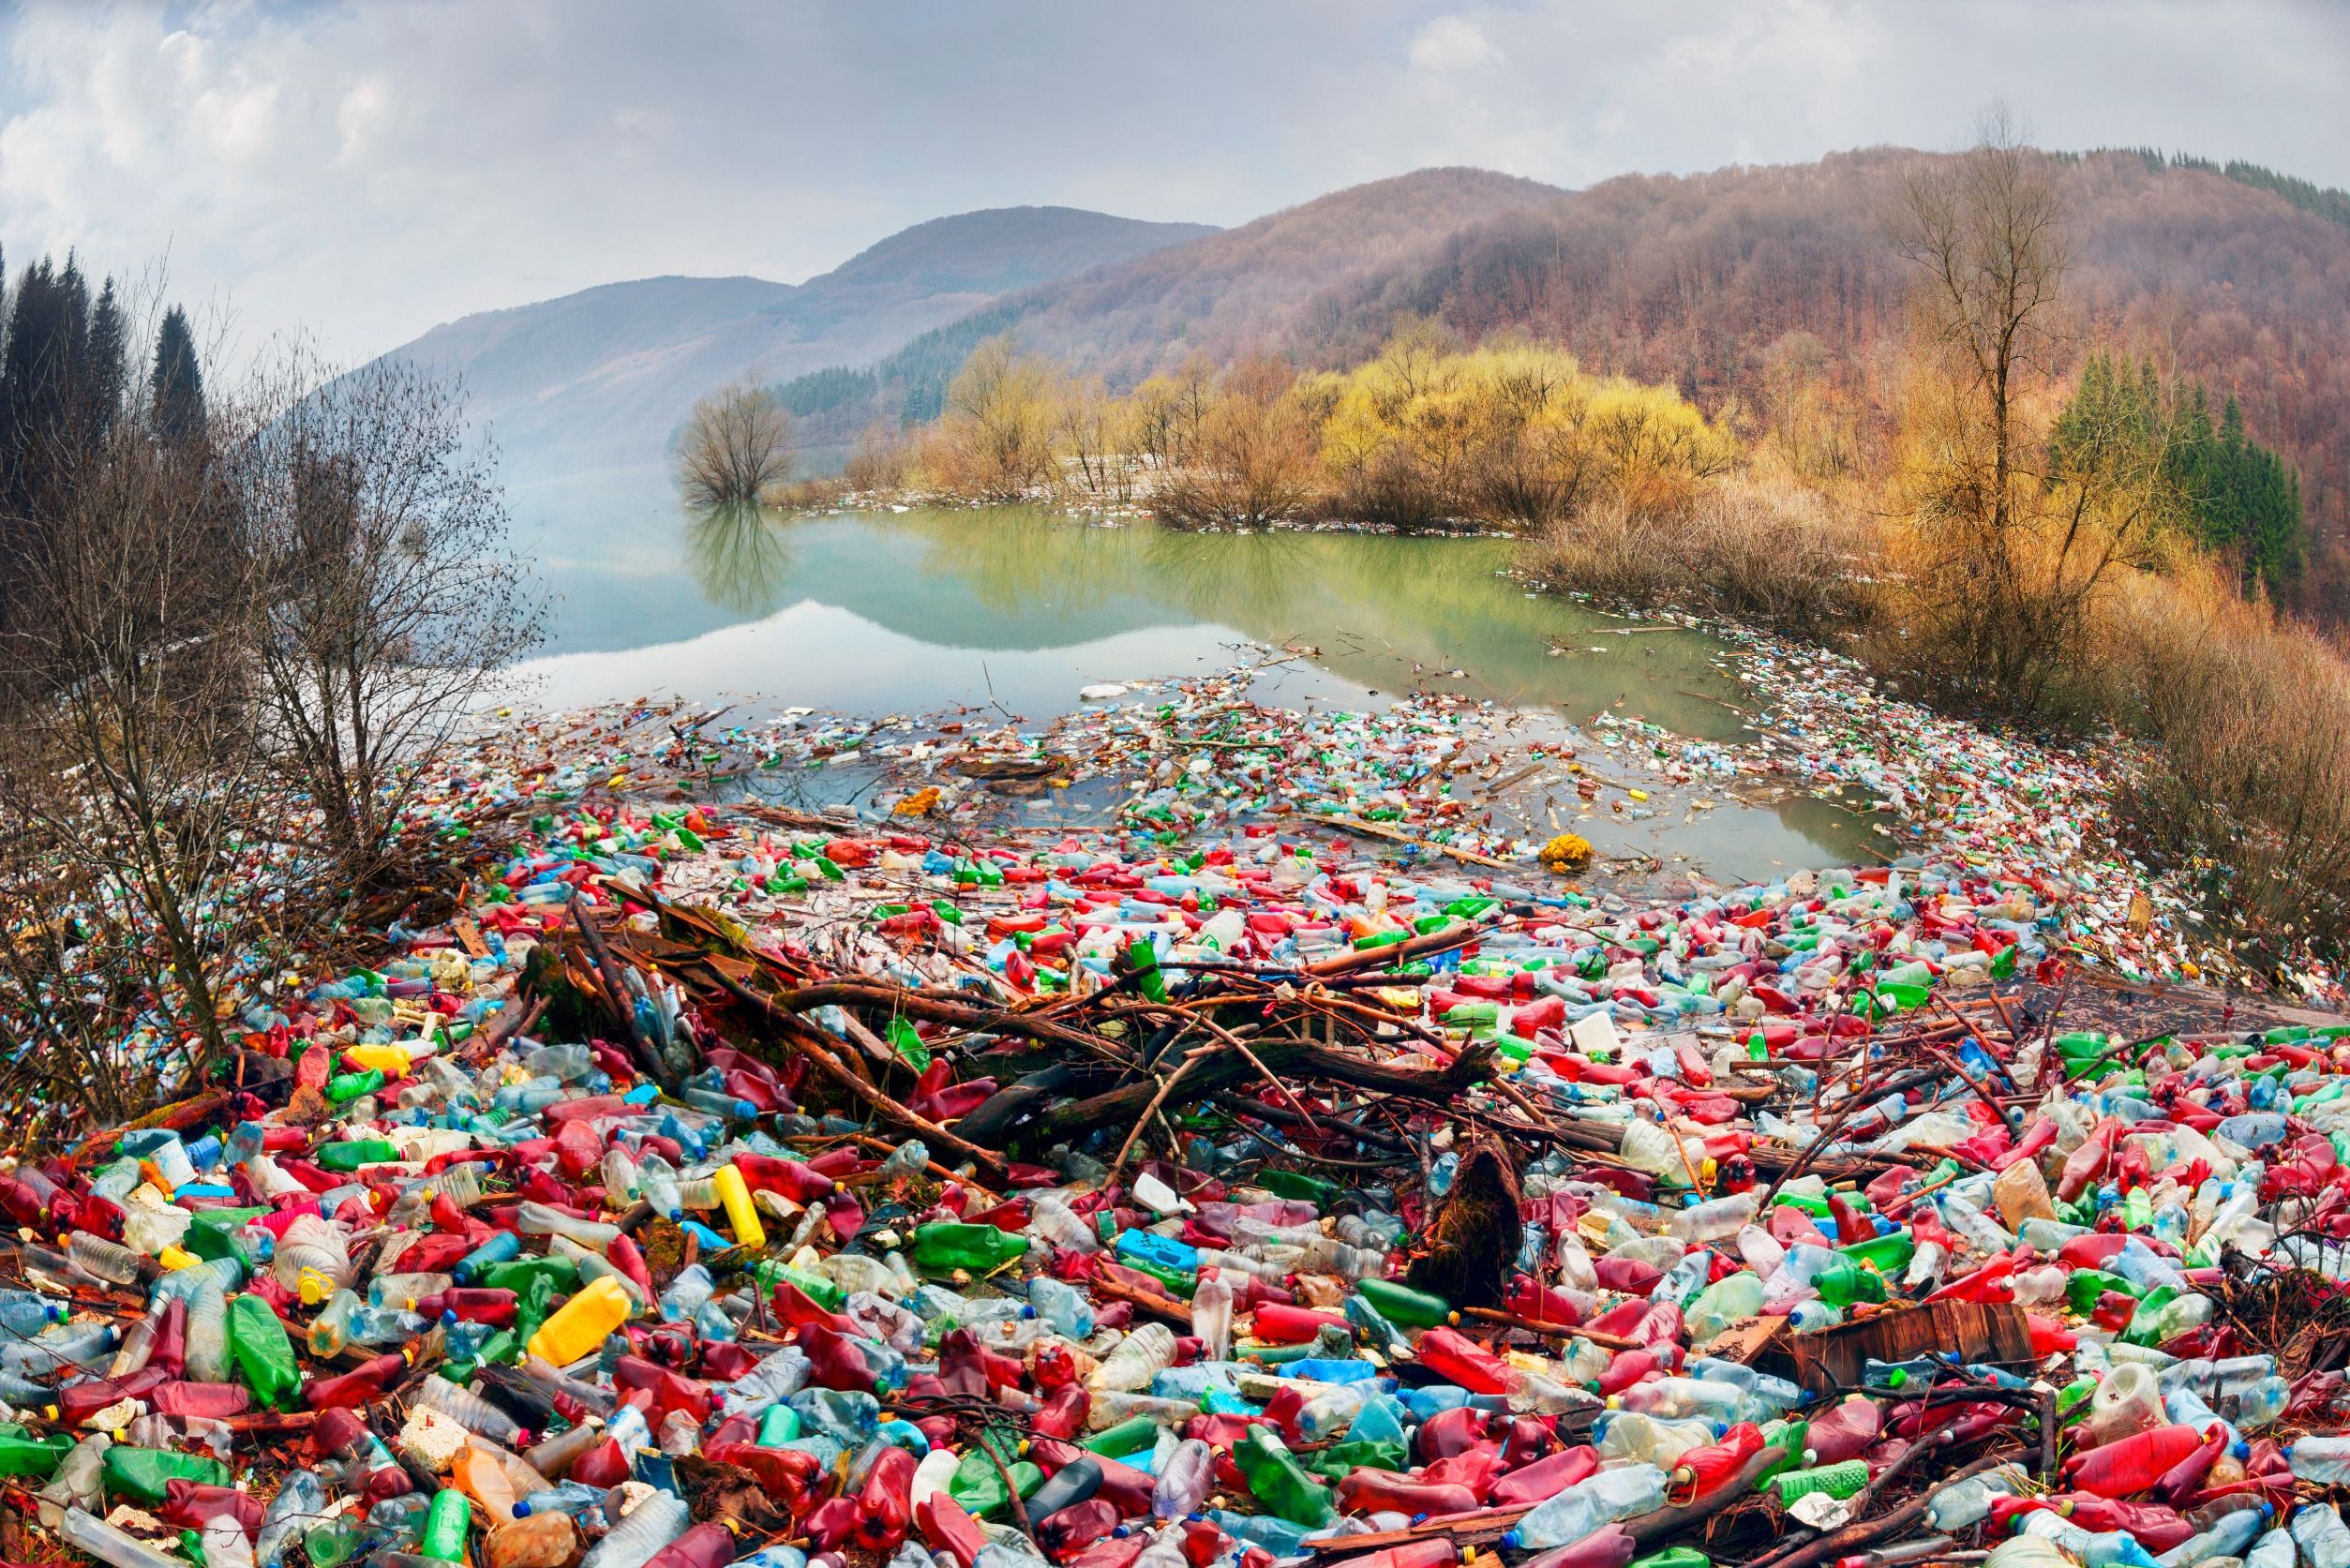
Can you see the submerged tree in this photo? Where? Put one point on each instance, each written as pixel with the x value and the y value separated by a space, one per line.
pixel 736 446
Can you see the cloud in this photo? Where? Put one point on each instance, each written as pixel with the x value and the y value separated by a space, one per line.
pixel 1451 44
pixel 367 170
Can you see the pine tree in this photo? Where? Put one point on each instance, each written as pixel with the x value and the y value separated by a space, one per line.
pixel 110 349
pixel 178 384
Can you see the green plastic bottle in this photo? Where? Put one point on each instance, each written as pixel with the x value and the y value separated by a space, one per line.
pixel 1130 1436
pixel 1842 1284
pixel 448 1523
pixel 1400 1303
pixel 2084 1286
pixel 515 1274
pixel 1342 1459
pixel 1886 1254
pixel 778 1426
pixel 1297 1185
pixel 769 1270
pixel 139 1474
pixel 347 1087
pixel 22 1454
pixel 1279 1482
pixel 1675 1556
pixel 945 1246
pixel 354 1153
pixel 261 1354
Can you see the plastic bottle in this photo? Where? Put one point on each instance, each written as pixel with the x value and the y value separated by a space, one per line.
pixel 2321 1535
pixel 1584 1507
pixel 1184 1479
pixel 1279 1482
pixel 581 1325
pixel 1138 1358
pixel 652 1525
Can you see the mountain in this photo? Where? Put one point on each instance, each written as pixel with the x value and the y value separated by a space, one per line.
pixel 1220 294
pixel 603 377
pixel 2234 278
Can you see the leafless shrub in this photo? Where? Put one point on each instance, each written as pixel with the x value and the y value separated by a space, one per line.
pixel 391 603
pixel 1769 554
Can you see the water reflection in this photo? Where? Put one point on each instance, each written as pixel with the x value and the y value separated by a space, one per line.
pixel 1013 612
pixel 741 558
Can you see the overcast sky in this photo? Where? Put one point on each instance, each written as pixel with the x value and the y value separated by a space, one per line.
pixel 365 169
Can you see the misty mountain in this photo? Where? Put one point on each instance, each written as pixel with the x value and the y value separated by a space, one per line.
pixel 602 377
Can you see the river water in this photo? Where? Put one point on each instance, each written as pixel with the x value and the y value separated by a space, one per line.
pixel 1015 611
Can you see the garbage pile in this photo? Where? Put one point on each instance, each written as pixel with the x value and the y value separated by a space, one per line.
pixel 721 1185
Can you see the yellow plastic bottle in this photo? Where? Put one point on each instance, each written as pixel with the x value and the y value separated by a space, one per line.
pixel 581 1325
pixel 392 1060
pixel 743 1215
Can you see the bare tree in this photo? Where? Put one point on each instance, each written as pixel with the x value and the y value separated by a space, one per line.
pixel 392 602
pixel 736 446
pixel 1986 228
pixel 2009 550
pixel 129 773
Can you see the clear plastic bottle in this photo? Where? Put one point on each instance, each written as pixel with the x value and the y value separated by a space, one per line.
pixel 1211 1315
pixel 468 1409
pixel 86 1532
pixel 108 1261
pixel 301 1498
pixel 1588 1504
pixel 1184 1479
pixel 652 1525
pixel 2323 1538
pixel 79 1481
pixel 1139 1357
pixel 208 1333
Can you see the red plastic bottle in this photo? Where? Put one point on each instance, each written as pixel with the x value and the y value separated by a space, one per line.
pixel 1461 1359
pixel 472 1303
pixel 1293 1325
pixel 1448 1432
pixel 1064 1412
pixel 1611 1548
pixel 1372 1490
pixel 948 1529
pixel 1437 1551
pixel 362 1385
pixel 706 1545
pixel 1066 1533
pixel 1545 1478
pixel 1844 1431
pixel 883 1508
pixel 1530 1298
pixel 1628 1368
pixel 800 1183
pixel 1705 1471
pixel 2184 1479
pixel 2123 1469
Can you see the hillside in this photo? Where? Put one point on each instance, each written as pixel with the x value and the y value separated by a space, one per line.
pixel 1706 280
pixel 1218 296
pixel 602 377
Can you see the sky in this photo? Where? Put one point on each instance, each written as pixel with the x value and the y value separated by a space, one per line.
pixel 359 170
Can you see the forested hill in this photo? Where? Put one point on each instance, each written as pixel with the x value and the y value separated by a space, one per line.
pixel 1737 286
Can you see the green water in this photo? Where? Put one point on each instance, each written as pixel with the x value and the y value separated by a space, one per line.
pixel 1015 611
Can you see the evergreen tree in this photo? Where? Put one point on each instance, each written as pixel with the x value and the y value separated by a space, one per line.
pixel 178 384
pixel 110 349
pixel 2236 496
